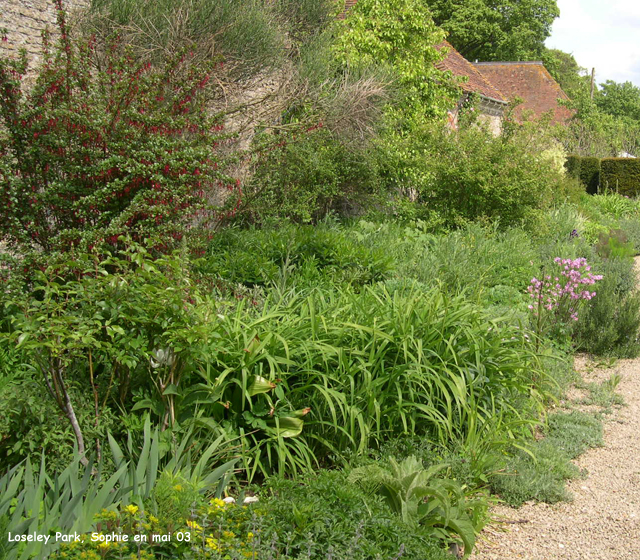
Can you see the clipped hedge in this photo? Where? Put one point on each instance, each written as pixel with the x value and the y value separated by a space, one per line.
pixel 589 174
pixel 621 175
pixel 572 165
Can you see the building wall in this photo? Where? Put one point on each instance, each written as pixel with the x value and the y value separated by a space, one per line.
pixel 24 21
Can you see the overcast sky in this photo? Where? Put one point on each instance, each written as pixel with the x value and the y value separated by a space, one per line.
pixel 604 34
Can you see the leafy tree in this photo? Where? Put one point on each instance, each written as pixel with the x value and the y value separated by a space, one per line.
pixel 400 35
pixel 619 100
pixel 565 70
pixel 496 29
pixel 596 132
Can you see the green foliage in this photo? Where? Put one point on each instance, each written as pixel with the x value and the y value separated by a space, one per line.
pixel 400 35
pixel 32 425
pixel 487 30
pixel 621 175
pixel 565 70
pixel 593 132
pixel 248 35
pixel 541 475
pixel 421 499
pixel 572 165
pixel 103 147
pixel 473 260
pixel 308 255
pixel 473 176
pixel 615 245
pixel 124 322
pixel 349 356
pixel 611 323
pixel 619 100
pixel 609 207
pixel 70 500
pixel 590 174
pixel 325 515
pixel 306 178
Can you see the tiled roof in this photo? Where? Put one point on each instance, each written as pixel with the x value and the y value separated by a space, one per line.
pixel 459 66
pixel 530 81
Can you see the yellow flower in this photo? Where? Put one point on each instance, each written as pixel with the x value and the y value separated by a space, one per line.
pixel 194 525
pixel 218 502
pixel 153 519
pixel 132 509
pixel 104 544
pixel 228 534
pixel 178 487
pixel 212 543
pixel 250 535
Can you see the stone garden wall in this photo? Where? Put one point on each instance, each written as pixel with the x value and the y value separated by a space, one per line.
pixel 24 21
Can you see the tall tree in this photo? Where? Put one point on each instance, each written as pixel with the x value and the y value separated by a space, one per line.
pixel 566 71
pixel 619 100
pixel 496 29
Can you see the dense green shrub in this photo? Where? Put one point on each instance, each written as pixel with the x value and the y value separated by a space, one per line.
pixel 472 176
pixel 572 165
pixel 104 145
pixel 304 178
pixel 131 324
pixel 621 175
pixel 610 325
pixel 590 174
pixel 31 425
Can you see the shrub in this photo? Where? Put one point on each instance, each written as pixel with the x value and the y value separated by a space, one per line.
pixel 101 147
pixel 590 174
pixel 249 35
pixel 132 323
pixel 473 176
pixel 304 178
pixel 621 175
pixel 572 165
pixel 611 323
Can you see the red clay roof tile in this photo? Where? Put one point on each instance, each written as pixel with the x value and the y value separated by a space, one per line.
pixel 530 81
pixel 461 67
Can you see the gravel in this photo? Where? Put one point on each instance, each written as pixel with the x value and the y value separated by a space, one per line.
pixel 603 520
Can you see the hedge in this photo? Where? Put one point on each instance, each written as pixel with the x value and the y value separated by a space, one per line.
pixel 572 165
pixel 589 174
pixel 621 175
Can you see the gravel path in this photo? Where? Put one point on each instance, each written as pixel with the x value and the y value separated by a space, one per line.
pixel 603 521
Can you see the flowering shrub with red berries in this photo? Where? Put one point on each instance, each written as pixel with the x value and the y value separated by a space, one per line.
pixel 103 144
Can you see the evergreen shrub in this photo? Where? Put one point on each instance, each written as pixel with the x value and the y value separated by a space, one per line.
pixel 589 174
pixel 572 166
pixel 621 175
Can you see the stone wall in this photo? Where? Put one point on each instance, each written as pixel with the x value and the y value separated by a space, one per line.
pixel 24 21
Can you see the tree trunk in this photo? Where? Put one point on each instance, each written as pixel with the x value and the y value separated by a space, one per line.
pixel 73 420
